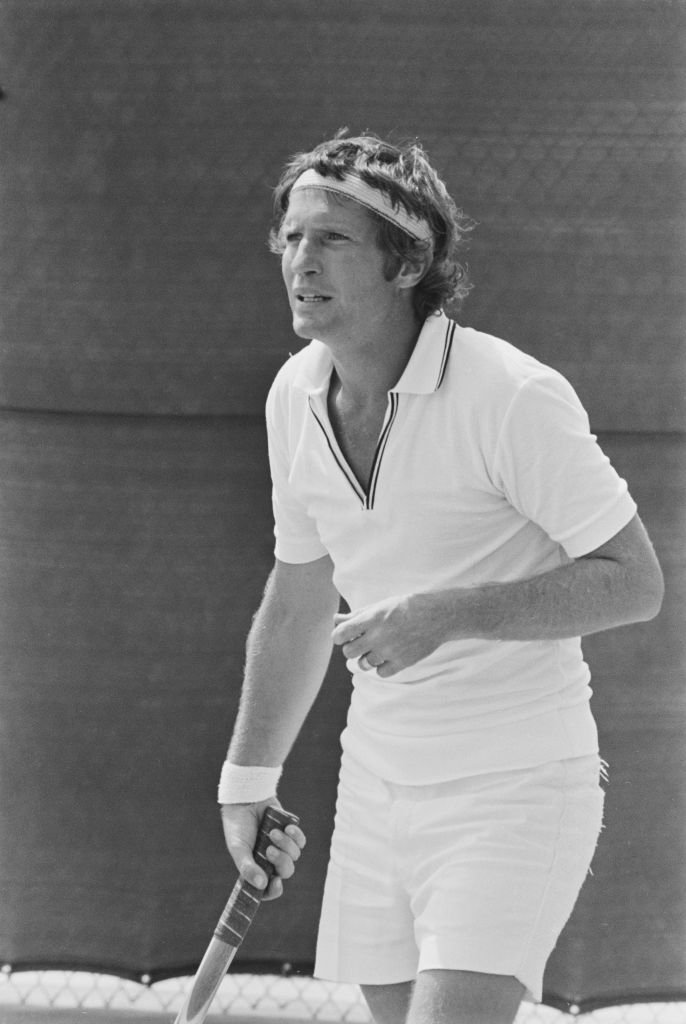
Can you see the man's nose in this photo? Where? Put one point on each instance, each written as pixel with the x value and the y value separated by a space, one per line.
pixel 306 259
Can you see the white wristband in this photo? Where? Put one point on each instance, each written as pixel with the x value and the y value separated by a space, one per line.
pixel 247 784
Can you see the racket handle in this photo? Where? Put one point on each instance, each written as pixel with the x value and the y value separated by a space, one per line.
pixel 243 902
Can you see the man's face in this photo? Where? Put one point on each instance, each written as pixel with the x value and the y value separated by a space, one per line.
pixel 333 268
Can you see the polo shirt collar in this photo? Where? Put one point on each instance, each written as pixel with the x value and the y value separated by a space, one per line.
pixel 422 376
pixel 426 367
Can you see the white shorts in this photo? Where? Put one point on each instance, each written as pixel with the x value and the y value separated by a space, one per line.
pixel 478 874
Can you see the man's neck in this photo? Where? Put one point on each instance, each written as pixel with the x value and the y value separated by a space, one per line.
pixel 369 366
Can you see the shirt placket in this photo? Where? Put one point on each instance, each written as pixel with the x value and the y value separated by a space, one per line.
pixel 366 497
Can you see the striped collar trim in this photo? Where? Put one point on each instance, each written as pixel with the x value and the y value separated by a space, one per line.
pixel 423 374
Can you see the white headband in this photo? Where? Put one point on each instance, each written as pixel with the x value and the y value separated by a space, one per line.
pixel 355 188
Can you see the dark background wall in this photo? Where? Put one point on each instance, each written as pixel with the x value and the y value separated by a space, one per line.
pixel 141 321
pixel 141 138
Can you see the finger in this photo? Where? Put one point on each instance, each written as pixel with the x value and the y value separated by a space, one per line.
pixel 297 835
pixel 386 669
pixel 356 648
pixel 284 866
pixel 249 870
pixel 274 889
pixel 346 632
pixel 286 844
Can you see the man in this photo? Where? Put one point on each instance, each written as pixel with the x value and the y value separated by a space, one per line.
pixel 448 487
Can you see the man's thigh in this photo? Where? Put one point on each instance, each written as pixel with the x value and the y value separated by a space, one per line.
pixel 464 997
pixel 446 997
pixel 388 1004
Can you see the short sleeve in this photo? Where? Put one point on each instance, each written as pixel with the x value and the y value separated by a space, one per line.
pixel 553 471
pixel 296 536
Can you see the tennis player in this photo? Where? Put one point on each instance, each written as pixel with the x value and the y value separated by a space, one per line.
pixel 448 487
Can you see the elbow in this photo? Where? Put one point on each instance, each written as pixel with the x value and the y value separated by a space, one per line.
pixel 658 598
pixel 651 593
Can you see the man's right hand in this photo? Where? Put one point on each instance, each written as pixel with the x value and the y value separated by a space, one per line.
pixel 241 823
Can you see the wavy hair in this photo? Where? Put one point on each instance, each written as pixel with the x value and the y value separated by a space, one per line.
pixel 405 175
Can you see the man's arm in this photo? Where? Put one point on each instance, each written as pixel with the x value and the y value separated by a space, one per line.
pixel 287 654
pixel 618 583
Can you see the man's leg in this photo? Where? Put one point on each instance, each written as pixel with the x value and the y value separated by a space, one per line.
pixel 446 997
pixel 464 997
pixel 388 1004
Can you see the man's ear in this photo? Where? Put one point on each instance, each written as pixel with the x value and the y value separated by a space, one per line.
pixel 411 272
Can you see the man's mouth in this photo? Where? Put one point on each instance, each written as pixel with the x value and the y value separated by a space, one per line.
pixel 311 299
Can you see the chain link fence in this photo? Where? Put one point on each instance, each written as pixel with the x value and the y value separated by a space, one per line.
pixel 275 997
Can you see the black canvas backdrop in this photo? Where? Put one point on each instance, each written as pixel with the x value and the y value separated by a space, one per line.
pixel 140 140
pixel 141 321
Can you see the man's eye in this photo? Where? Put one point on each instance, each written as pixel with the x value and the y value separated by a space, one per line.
pixel 293 236
pixel 336 236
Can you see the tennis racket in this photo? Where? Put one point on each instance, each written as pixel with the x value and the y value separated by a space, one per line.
pixel 232 926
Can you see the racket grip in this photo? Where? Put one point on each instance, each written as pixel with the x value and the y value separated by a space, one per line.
pixel 243 902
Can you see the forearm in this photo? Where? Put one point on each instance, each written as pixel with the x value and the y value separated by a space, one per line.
pixel 618 583
pixel 585 597
pixel 287 654
pixel 283 674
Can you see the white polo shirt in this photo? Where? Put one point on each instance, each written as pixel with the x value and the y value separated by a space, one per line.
pixel 485 471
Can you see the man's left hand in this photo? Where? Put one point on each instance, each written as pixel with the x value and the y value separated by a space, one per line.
pixel 392 634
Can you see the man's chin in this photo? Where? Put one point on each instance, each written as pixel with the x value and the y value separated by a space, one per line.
pixel 302 331
pixel 304 328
